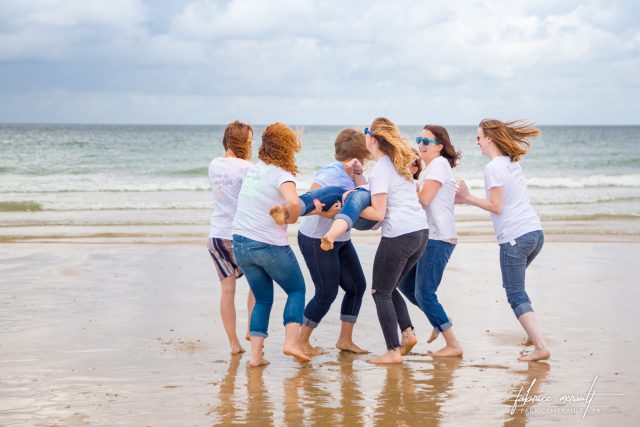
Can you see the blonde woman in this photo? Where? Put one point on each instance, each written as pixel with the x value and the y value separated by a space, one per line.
pixel 261 246
pixel 225 176
pixel 516 225
pixel 394 201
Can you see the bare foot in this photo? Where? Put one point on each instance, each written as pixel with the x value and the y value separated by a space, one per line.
pixel 310 350
pixel 542 354
pixel 350 346
pixel 447 351
pixel 237 349
pixel 434 335
pixel 526 342
pixel 391 356
pixel 296 352
pixel 407 342
pixel 326 244
pixel 258 362
pixel 279 214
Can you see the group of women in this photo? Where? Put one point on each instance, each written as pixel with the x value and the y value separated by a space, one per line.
pixel 255 202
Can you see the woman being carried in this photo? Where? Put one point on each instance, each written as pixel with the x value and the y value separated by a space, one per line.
pixel 339 268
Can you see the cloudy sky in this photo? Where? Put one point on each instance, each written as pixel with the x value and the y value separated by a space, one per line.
pixel 319 62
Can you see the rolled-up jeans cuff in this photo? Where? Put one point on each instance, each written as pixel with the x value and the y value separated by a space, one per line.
pixel 444 327
pixel 345 218
pixel 348 318
pixel 521 309
pixel 310 323
pixel 258 334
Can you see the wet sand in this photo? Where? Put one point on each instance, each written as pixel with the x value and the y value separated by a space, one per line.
pixel 129 334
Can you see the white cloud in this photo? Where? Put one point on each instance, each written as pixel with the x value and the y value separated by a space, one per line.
pixel 324 60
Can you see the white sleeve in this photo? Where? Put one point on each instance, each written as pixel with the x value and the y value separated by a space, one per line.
pixel 437 171
pixel 283 176
pixel 492 177
pixel 380 179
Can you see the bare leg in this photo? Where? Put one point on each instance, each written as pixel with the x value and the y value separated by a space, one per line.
pixel 345 340
pixel 408 341
pixel 305 334
pixel 257 352
pixel 391 356
pixel 452 347
pixel 228 312
pixel 530 325
pixel 338 227
pixel 292 343
pixel 279 214
pixel 526 342
pixel 251 301
pixel 435 333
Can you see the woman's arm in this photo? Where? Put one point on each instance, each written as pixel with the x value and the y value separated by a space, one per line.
pixel 292 202
pixel 378 208
pixel 429 191
pixel 494 204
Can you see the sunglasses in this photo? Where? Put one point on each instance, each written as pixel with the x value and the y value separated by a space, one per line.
pixel 426 141
pixel 367 131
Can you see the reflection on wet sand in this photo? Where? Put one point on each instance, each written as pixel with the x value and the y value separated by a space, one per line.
pixel 259 406
pixel 411 394
pixel 326 394
pixel 531 383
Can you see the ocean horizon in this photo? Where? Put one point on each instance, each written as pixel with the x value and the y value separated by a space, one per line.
pixel 101 175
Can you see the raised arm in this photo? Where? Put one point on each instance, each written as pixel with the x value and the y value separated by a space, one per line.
pixel 292 202
pixel 494 204
pixel 378 208
pixel 429 191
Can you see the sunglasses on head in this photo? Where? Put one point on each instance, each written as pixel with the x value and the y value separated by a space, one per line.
pixel 426 141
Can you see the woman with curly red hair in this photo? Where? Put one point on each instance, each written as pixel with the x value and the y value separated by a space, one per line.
pixel 261 246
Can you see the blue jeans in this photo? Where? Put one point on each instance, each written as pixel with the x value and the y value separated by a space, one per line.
pixel 330 270
pixel 420 284
pixel 514 260
pixel 354 204
pixel 263 263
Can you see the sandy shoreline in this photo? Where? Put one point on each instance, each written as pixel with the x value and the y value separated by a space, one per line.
pixel 129 334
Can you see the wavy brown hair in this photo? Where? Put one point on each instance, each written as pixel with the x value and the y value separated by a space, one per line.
pixel 236 138
pixel 279 147
pixel 510 137
pixel 391 143
pixel 449 152
pixel 351 144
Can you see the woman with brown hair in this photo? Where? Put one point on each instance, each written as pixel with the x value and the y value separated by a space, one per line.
pixel 404 233
pixel 437 190
pixel 225 176
pixel 516 225
pixel 261 246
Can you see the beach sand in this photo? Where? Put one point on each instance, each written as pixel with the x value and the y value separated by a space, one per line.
pixel 105 332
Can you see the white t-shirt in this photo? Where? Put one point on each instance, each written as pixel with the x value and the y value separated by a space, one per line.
pixel 517 216
pixel 442 224
pixel 315 226
pixel 404 212
pixel 225 176
pixel 260 191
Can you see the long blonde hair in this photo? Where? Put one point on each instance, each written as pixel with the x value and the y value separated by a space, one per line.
pixel 510 137
pixel 391 143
